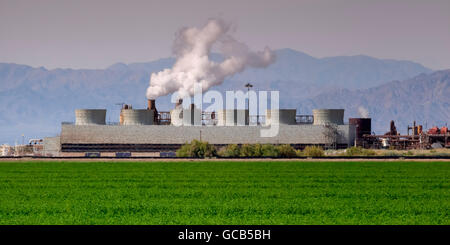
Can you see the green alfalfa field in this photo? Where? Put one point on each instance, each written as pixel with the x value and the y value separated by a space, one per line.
pixel 224 192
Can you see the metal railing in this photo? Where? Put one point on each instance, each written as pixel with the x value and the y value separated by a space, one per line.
pixel 304 119
pixel 210 119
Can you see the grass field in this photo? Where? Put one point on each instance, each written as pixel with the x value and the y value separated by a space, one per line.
pixel 224 192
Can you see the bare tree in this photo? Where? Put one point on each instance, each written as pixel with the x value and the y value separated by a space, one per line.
pixel 331 134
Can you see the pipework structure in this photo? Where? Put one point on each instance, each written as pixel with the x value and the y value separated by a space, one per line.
pixel 418 139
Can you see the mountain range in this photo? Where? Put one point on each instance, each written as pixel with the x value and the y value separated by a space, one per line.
pixel 423 98
pixel 34 101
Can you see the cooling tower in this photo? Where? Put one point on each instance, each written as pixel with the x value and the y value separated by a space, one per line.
pixel 281 116
pixel 187 117
pixel 328 116
pixel 233 117
pixel 90 116
pixel 137 117
pixel 176 117
pixel 222 115
pixel 192 116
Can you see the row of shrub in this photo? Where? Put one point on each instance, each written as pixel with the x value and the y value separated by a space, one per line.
pixel 359 151
pixel 419 153
pixel 199 149
pixel 257 150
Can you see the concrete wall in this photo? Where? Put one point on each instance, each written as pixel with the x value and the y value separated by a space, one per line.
pixel 159 134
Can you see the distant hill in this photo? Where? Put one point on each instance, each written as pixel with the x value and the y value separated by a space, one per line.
pixel 352 72
pixel 424 98
pixel 34 101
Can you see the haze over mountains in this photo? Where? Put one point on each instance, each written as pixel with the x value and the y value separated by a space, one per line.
pixel 34 101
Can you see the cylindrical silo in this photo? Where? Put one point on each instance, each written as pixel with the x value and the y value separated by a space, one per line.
pixel 281 116
pixel 362 126
pixel 90 116
pixel 328 116
pixel 137 117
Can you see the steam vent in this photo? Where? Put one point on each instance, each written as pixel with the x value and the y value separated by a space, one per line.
pixel 150 132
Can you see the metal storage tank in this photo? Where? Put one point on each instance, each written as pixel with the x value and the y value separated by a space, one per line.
pixel 362 126
pixel 137 117
pixel 281 116
pixel 90 116
pixel 233 117
pixel 327 116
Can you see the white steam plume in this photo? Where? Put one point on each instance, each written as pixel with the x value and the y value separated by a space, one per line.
pixel 192 47
pixel 363 112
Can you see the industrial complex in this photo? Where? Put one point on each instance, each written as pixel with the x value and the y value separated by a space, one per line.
pixel 153 133
pixel 148 132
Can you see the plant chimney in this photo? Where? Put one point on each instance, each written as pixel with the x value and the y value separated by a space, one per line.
pixel 179 103
pixel 151 105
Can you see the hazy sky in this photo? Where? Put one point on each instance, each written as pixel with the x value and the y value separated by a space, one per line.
pixel 96 34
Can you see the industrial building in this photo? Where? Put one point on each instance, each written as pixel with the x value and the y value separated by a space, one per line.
pixel 435 137
pixel 148 132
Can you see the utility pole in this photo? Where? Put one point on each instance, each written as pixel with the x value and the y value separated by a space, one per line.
pixel 248 86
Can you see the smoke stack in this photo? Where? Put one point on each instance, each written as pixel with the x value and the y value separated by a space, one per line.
pixel 179 103
pixel 151 105
pixel 124 107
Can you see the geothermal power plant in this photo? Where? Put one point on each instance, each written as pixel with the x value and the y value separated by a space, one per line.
pixel 152 133
pixel 149 132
